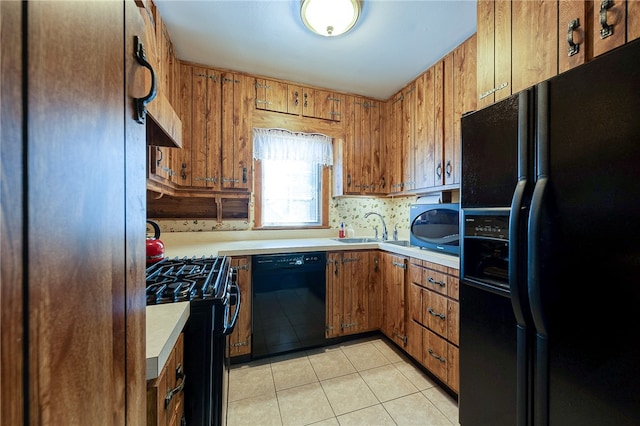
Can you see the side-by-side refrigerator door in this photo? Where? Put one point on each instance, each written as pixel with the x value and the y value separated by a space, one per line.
pixel 584 244
pixel 489 325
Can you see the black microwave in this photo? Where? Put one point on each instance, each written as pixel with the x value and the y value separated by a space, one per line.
pixel 435 227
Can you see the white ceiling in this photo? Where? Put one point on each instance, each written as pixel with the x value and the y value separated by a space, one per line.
pixel 393 42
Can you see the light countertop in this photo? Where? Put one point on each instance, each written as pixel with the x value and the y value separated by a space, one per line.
pixel 200 244
pixel 164 324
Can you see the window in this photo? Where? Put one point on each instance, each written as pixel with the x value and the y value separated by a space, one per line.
pixel 291 178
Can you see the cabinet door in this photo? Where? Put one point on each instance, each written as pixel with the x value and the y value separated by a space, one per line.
pixel 377 179
pixel 453 367
pixel 206 135
pixel 609 25
pixel 271 95
pixel 392 146
pixel 439 133
pixel 355 287
pixel 393 322
pixel 408 143
pixel 464 100
pixel 236 148
pixel 294 99
pixel 535 42
pixel 447 159
pixel 424 150
pixel 486 52
pixel 503 49
pixel 572 24
pixel 334 294
pixel 240 339
pixel 353 148
pixel 309 102
pixel 414 317
pixel 633 20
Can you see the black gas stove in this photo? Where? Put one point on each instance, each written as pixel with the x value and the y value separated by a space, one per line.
pixel 209 285
pixel 187 279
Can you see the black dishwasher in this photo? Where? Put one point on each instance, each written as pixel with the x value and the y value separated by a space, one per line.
pixel 288 302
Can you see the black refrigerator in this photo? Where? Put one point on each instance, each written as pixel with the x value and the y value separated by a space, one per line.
pixel 550 251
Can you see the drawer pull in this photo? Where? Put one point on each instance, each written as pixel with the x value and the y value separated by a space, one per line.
pixel 173 392
pixel 607 29
pixel 436 356
pixel 435 314
pixel 440 283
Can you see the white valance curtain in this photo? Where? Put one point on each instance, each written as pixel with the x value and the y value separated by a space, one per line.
pixel 279 144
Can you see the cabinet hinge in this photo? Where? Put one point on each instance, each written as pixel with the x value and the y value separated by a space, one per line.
pixel 243 343
pixel 495 89
pixel 244 267
pixel 229 80
pixel 260 101
pixel 334 99
pixel 262 86
pixel 350 259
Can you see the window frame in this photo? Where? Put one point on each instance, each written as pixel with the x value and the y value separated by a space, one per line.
pixel 324 202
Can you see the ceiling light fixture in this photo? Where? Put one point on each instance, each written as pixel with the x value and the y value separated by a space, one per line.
pixel 330 18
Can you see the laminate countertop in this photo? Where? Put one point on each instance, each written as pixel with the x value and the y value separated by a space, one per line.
pixel 198 244
pixel 164 324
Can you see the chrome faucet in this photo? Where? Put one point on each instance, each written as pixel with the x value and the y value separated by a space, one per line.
pixel 385 234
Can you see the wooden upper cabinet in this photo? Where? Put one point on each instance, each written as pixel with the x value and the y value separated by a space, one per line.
pixel 271 95
pixel 493 51
pixel 407 143
pixel 633 20
pixel 236 145
pixel 450 147
pixel 573 31
pixel 322 104
pixel 534 38
pixel 609 25
pixel 464 100
pixel 424 165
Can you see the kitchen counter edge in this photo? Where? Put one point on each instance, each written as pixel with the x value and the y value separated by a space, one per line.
pixel 164 323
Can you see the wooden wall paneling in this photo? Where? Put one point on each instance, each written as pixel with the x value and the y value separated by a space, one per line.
pixel 12 244
pixel 135 225
pixel 76 292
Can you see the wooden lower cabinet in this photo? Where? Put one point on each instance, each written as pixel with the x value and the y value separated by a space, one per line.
pixel 240 339
pixel 433 319
pixel 393 301
pixel 354 296
pixel 165 394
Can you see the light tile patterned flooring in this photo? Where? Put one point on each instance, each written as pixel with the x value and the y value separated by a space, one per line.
pixel 361 382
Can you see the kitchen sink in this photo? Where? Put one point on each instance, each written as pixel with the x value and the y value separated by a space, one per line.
pixel 403 243
pixel 357 240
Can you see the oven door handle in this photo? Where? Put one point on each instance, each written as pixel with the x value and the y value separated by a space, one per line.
pixel 229 326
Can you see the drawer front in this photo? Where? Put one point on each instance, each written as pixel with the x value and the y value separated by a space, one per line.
pixel 435 354
pixel 436 281
pixel 434 312
pixel 453 368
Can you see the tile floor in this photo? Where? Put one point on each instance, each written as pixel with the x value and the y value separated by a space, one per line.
pixel 362 382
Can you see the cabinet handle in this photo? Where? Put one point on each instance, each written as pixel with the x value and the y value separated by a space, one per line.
pixel 448 169
pixel 435 314
pixel 436 356
pixel 244 175
pixel 439 171
pixel 432 281
pixel 376 262
pixel 401 337
pixel 349 179
pixel 399 265
pixel 574 47
pixel 141 103
pixel 384 182
pixel 183 174
pixel 606 29
pixel 159 160
pixel 173 392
